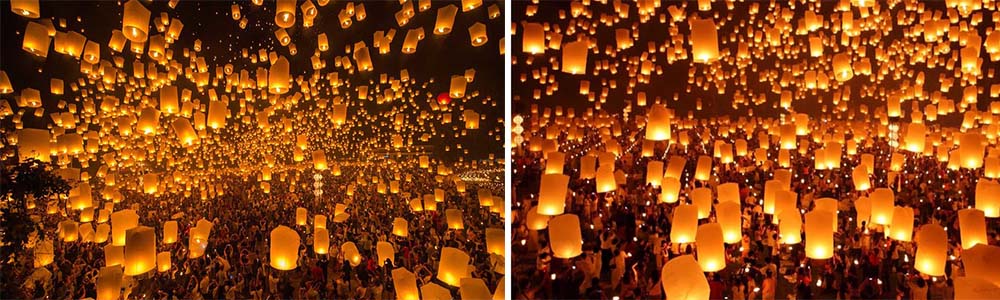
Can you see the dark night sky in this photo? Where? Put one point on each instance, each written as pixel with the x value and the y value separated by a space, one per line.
pixel 437 57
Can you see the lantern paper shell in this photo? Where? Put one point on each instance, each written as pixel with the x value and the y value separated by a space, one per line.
pixel 790 227
pixel 321 240
pixel 932 250
pixel 495 241
pixel 454 218
pixel 109 283
pixel 819 234
pixel 980 262
pixel 452 266
pixel 140 250
pixel 552 194
pixel 711 252
pixel 684 226
pixel 657 123
pixel 25 8
pixel 536 221
pixel 606 179
pixel 121 221
pixel 883 206
pixel 284 250
pixel 682 278
pixel 670 190
pixel 730 219
pixel 574 57
pixel 170 232
pixel 433 291
pixel 405 283
pixel 972 224
pixel 43 253
pixel 654 173
pixel 704 168
pixel 135 22
pixel 474 288
pixel 988 198
pixel 704 40
pixel 301 216
pixel 902 224
pixel 400 227
pixel 565 236
pixel 163 261
pixel 385 252
pixel 702 198
pixel 351 253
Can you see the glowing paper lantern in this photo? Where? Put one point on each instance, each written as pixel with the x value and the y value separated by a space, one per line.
pixel 385 252
pixel 36 40
pixel 972 224
pixel 301 216
pixel 654 173
pixel 43 253
pixel 902 224
pixel 453 265
pixel 980 263
pixel 495 241
pixel 536 221
pixel 565 236
pixel 321 240
pixel 670 190
pixel 932 250
pixel 405 284
pixel 319 160
pixel 988 198
pixel 163 261
pixel 552 194
pixel 122 221
pixel 135 22
pixel 916 136
pixel 704 40
pixel 533 38
pixel 704 168
pixel 445 19
pixel 657 123
pixel 606 179
pixel 400 227
pixel 729 216
pixel 971 150
pixel 25 8
pixel 819 234
pixel 883 205
pixel 574 57
pixel 454 218
pixel 284 250
pixel 140 250
pixel 702 198
pixel 351 254
pixel 860 177
pixel 474 288
pixel 109 283
pixel 711 252
pixel 278 80
pixel 790 227
pixel 170 232
pixel 684 226
pixel 284 15
pixel 682 278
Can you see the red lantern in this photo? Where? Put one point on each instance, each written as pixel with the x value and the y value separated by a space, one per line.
pixel 444 99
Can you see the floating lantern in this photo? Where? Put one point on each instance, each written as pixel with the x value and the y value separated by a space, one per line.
pixel 405 284
pixel 400 227
pixel 385 252
pixel 932 250
pixel 445 19
pixel 109 283
pixel 284 15
pixel 121 222
pixel 170 232
pixel 163 261
pixel 574 57
pixel 453 265
pixel 882 206
pixel 684 226
pixel 972 225
pixel 321 240
pixel 284 250
pixel 135 22
pixel 729 216
pixel 790 227
pixel 565 236
pixel 454 218
pixel 552 194
pixel 902 224
pixel 711 252
pixel 474 288
pixel 657 123
pixel 704 40
pixel 140 250
pixel 682 278
pixel 819 234
pixel 351 254
pixel 704 168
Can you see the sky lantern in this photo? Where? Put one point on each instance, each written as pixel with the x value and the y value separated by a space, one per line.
pixel 574 57
pixel 121 222
pixel 711 252
pixel 135 22
pixel 703 170
pixel 170 232
pixel 385 251
pixel 682 278
pixel 606 179
pixel 988 198
pixel 400 227
pixel 971 149
pixel 25 8
pixel 109 283
pixel 163 261
pixel 552 194
pixel 684 225
pixel 321 240
pixel 533 38
pixel 842 67
pixel 654 173
pixel 860 177
pixel 704 40
pixel 140 250
pixel 790 227
pixel 445 19
pixel 452 266
pixel 405 284
pixel 43 253
pixel 932 250
pixel 278 80
pixel 819 234
pixel 902 224
pixel 36 40
pixel 916 135
pixel 454 218
pixel 657 123
pixel 565 236
pixel 883 205
pixel 284 15
pixel 730 219
pixel 670 190
pixel 980 263
pixel 474 288
pixel 477 34
pixel 284 249
pixel 972 225
pixel 702 198
pixel 555 162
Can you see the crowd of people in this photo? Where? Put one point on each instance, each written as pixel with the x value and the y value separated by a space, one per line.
pixel 626 232
pixel 235 264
